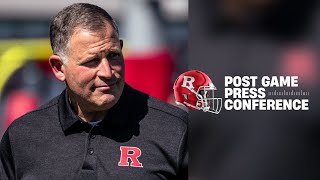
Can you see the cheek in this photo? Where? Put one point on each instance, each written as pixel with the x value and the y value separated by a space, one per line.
pixel 119 69
pixel 120 72
pixel 81 77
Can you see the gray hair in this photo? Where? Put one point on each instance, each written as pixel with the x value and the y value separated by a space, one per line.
pixel 78 15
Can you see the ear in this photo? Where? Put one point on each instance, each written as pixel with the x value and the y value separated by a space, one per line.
pixel 121 43
pixel 57 67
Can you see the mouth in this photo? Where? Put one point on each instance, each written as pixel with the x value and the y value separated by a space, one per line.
pixel 106 86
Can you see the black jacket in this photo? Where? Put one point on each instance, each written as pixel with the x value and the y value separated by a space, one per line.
pixel 53 143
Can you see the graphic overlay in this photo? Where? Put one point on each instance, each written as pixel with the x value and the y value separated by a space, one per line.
pixel 250 93
pixel 195 90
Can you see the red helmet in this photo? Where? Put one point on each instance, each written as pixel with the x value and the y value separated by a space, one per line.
pixel 195 90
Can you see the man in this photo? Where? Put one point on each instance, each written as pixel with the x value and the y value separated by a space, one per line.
pixel 99 127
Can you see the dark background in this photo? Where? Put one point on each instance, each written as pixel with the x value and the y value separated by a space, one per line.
pixel 248 37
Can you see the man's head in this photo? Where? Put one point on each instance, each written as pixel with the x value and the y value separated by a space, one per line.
pixel 88 55
pixel 75 17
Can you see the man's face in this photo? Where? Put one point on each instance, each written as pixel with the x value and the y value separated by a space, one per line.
pixel 94 71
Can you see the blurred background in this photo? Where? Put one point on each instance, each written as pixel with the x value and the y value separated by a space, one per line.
pixel 256 37
pixel 155 49
pixel 164 38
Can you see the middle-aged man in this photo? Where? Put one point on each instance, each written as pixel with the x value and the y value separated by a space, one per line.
pixel 99 127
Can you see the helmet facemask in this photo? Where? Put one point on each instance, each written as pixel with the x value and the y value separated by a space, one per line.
pixel 206 100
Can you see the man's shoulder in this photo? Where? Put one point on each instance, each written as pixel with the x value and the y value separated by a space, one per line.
pixel 139 100
pixel 43 108
pixel 170 110
pixel 40 114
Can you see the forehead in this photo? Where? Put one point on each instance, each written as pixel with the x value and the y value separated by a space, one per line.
pixel 84 38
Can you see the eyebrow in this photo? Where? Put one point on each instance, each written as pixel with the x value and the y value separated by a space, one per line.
pixel 114 49
pixel 91 54
pixel 98 49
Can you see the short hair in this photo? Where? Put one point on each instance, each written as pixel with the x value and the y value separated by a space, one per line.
pixel 78 15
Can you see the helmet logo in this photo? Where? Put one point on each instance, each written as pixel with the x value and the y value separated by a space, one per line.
pixel 188 80
pixel 195 91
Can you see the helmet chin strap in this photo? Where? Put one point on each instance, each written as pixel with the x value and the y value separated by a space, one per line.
pixel 196 93
pixel 196 107
pixel 200 97
pixel 205 109
pixel 190 105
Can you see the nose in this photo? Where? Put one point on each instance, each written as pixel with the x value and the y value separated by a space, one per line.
pixel 105 70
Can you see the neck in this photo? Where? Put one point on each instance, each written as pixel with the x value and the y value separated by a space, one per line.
pixel 89 116
pixel 82 110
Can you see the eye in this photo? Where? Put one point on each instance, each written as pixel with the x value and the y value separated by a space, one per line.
pixel 113 55
pixel 92 62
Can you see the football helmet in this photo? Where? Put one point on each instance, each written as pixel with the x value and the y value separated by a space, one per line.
pixel 195 90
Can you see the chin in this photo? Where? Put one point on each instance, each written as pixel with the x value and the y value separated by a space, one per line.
pixel 105 103
pixel 107 100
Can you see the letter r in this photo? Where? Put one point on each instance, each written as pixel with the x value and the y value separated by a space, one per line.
pixel 188 80
pixel 131 153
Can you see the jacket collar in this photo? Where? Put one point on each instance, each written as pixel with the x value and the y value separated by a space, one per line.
pixel 131 106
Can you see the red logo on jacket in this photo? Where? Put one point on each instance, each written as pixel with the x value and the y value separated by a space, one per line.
pixel 131 153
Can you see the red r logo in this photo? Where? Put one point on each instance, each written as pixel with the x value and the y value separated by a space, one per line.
pixel 131 153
